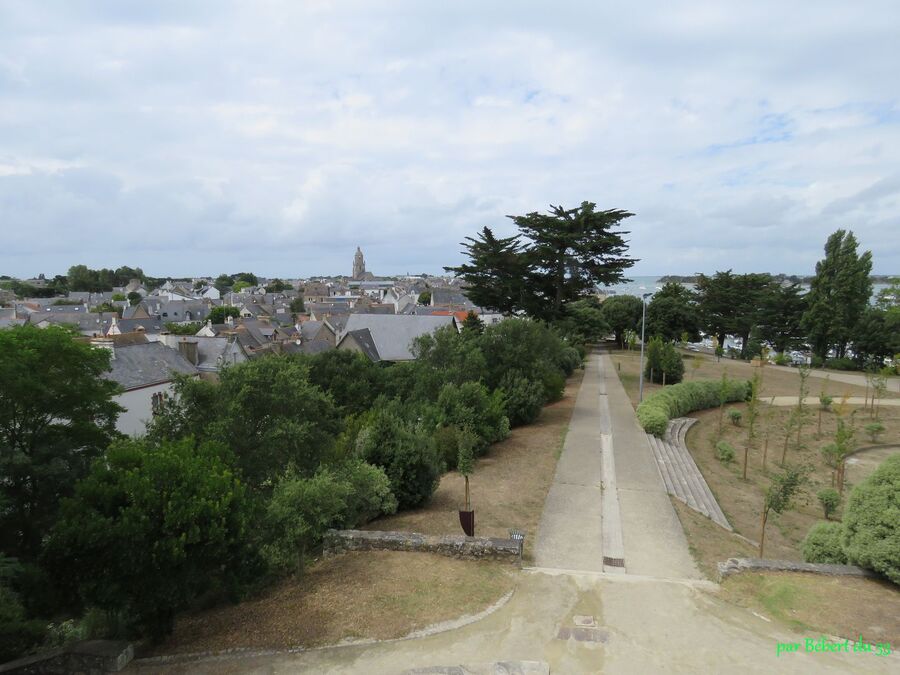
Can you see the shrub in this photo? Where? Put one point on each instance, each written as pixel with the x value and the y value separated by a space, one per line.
pixel 405 452
pixel 782 360
pixel 663 359
pixel 470 406
pixel 825 401
pixel 823 544
pixel 724 452
pixel 523 398
pixel 370 492
pixel 678 400
pixel 830 500
pixel 816 361
pixel 874 430
pixel 735 416
pixel 871 536
pixel 17 633
pixel 841 364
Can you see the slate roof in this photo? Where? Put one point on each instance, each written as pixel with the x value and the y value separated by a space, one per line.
pixel 309 330
pixel 363 338
pixel 146 325
pixel 86 321
pixel 393 334
pixel 142 365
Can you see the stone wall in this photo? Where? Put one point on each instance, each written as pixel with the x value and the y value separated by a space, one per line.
pixel 451 545
pixel 89 657
pixel 738 565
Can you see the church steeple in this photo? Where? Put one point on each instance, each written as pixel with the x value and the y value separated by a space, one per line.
pixel 359 264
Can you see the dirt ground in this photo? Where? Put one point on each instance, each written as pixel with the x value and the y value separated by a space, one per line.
pixel 807 603
pixel 403 592
pixel 775 382
pixel 509 485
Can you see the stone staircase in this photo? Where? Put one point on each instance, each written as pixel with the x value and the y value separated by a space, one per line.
pixel 679 472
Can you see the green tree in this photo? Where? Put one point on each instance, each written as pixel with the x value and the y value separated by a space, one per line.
pixel 473 324
pixel 424 298
pixel 622 313
pixel 277 286
pixel 152 529
pixel 183 328
pixel 780 495
pixel 223 283
pixel 781 316
pixel 838 295
pixel 297 306
pixel 871 536
pixel 240 286
pixel 352 380
pixel 266 410
pixel 134 298
pixel 671 312
pixel 571 252
pixel 731 304
pixel 876 336
pixel 664 363
pixel 465 464
pixel 584 321
pixel 471 406
pixel 219 313
pixel 56 415
pixel 496 274
pixel 118 297
pixel 889 297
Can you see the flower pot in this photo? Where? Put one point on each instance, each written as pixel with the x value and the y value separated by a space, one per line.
pixel 467 520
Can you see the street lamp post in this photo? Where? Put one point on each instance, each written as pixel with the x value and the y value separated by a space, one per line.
pixel 643 324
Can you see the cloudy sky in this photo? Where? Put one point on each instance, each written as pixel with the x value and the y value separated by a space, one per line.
pixel 202 137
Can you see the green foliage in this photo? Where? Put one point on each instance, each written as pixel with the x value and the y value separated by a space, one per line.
pixel 370 493
pixel 134 298
pixel 838 295
pixel 424 298
pixel 151 529
pixel 735 416
pixel 623 314
pixel 240 286
pixel 106 307
pixel 267 411
pixel 56 415
pixel 184 328
pixel 299 513
pixel 218 314
pixel 678 400
pixel 566 254
pixel 874 430
pixel 825 401
pixel 782 360
pixel 352 380
pixel 672 314
pixel 733 304
pixel 81 278
pixel 823 544
pixel 473 324
pixel 297 306
pixel 663 360
pixel 784 487
pixel 523 398
pixel 405 452
pixel 18 633
pixel 277 286
pixel 841 364
pixel 830 500
pixel 118 297
pixel 876 336
pixel 871 535
pixel 724 452
pixel 470 406
pixel 584 321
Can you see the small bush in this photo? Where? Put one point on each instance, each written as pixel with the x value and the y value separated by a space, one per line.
pixel 830 500
pixel 678 400
pixel 17 634
pixel 370 492
pixel 816 361
pixel 724 452
pixel 471 406
pixel 735 416
pixel 523 398
pixel 841 364
pixel 663 359
pixel 871 536
pixel 823 544
pixel 825 401
pixel 782 360
pixel 874 430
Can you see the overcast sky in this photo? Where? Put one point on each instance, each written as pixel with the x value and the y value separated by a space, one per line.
pixel 200 137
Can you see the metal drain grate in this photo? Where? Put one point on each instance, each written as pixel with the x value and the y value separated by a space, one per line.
pixel 614 562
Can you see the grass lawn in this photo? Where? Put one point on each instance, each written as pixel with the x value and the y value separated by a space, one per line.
pixel 509 485
pixel 812 604
pixel 376 594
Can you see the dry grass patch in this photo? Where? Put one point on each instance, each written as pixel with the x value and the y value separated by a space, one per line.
pixel 375 594
pixel 509 485
pixel 845 607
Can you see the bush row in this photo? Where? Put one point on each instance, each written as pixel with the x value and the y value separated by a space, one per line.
pixel 658 408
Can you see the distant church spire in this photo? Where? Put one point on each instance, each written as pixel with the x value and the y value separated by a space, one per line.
pixel 359 264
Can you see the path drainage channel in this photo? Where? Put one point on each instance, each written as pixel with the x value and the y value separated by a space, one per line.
pixel 582 634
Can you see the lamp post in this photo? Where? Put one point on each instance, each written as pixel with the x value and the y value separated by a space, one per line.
pixel 643 324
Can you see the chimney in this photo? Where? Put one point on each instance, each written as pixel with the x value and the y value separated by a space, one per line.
pixel 229 321
pixel 189 351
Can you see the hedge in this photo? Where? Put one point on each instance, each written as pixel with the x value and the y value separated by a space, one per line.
pixel 680 399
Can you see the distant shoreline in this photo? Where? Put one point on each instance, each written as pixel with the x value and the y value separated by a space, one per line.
pixel 789 278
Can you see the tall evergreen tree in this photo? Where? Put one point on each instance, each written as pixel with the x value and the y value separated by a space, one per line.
pixel 781 316
pixel 495 276
pixel 838 295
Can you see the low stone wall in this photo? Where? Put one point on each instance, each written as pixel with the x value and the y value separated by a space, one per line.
pixel 451 545
pixel 90 656
pixel 738 565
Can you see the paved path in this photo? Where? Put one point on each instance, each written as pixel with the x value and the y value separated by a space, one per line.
pixel 657 618
pixel 893 383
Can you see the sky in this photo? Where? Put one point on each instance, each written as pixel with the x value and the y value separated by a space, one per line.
pixel 194 138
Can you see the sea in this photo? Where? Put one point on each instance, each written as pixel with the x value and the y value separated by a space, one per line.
pixel 640 285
